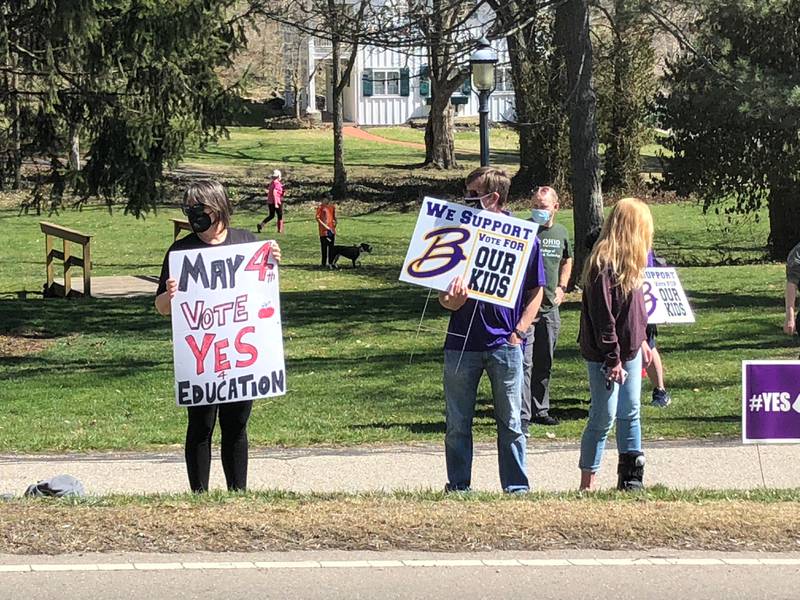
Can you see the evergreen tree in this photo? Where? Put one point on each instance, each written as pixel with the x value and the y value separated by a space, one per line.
pixel 135 79
pixel 539 77
pixel 626 83
pixel 733 109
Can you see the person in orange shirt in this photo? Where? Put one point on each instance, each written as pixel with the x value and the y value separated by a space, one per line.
pixel 326 220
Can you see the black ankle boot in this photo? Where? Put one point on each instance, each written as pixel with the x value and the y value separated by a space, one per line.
pixel 630 471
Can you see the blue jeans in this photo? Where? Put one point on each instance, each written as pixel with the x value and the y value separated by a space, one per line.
pixel 504 367
pixel 622 402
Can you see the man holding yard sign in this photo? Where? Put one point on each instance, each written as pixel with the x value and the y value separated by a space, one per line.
pixel 483 336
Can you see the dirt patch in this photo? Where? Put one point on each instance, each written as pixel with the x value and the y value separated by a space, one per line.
pixel 24 343
pixel 248 525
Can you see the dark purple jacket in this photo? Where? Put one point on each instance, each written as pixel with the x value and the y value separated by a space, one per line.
pixel 612 325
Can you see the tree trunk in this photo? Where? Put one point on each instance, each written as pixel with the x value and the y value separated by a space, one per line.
pixel 75 147
pixel 572 37
pixel 439 140
pixel 532 167
pixel 296 94
pixel 339 189
pixel 15 158
pixel 622 153
pixel 784 218
pixel 443 67
pixel 523 56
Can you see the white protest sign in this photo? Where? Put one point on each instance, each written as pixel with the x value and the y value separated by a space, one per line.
pixel 489 250
pixel 664 297
pixel 226 325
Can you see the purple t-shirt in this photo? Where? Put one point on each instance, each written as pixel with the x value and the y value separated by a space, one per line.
pixel 492 324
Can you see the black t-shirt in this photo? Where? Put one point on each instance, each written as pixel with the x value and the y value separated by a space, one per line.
pixel 192 242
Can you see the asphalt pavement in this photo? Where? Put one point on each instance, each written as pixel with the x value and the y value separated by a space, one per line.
pixel 405 575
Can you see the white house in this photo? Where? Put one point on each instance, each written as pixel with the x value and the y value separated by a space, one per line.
pixel 387 87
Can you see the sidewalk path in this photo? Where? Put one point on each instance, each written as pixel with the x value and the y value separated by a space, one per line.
pixel 551 467
pixel 362 134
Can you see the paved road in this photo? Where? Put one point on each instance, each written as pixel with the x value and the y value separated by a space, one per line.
pixel 721 465
pixel 330 575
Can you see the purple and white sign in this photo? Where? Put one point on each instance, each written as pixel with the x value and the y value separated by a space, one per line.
pixel 664 297
pixel 489 250
pixel 770 401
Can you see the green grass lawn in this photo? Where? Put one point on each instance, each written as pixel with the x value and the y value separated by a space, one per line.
pixel 105 378
pixel 501 138
pixel 383 171
pixel 307 154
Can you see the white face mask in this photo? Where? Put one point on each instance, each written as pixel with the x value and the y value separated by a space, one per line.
pixel 480 201
pixel 541 216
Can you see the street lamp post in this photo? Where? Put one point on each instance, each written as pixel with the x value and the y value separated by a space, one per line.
pixel 482 64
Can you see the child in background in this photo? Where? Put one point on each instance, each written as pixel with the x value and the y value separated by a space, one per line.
pixel 274 201
pixel 655 370
pixel 326 221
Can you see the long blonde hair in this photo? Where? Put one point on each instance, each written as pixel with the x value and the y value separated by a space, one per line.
pixel 623 245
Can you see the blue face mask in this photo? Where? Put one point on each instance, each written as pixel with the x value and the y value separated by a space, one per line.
pixel 540 216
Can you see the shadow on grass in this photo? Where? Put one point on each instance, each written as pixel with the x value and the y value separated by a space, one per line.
pixel 438 427
pixel 715 300
pixel 37 365
pixel 59 317
pixel 421 427
pixel 703 418
pixel 137 315
pixel 569 413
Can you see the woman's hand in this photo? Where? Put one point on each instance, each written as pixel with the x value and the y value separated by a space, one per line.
pixel 615 374
pixel 276 252
pixel 172 288
pixel 164 299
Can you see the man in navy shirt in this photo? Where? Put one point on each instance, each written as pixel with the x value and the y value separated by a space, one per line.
pixel 487 337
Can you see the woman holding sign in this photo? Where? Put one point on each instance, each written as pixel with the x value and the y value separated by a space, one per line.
pixel 613 342
pixel 208 209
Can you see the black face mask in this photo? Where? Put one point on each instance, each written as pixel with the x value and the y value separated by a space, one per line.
pixel 198 218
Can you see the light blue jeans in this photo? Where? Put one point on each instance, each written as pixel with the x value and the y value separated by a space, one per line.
pixel 504 367
pixel 621 402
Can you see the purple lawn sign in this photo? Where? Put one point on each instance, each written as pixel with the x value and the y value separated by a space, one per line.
pixel 770 401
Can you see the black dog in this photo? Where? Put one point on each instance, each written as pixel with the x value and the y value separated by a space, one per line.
pixel 351 252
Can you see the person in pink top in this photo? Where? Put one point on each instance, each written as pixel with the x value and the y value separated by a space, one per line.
pixel 274 202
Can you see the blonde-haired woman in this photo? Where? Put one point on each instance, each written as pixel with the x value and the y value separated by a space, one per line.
pixel 613 342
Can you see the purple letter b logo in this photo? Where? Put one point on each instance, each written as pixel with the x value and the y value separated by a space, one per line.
pixel 444 252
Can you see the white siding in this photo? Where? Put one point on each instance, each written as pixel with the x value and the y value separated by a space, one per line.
pixel 397 110
pixel 387 110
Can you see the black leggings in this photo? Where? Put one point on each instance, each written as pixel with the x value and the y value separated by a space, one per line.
pixel 274 210
pixel 233 425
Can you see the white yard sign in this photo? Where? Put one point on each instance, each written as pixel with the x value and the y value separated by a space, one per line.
pixel 226 325
pixel 664 297
pixel 489 250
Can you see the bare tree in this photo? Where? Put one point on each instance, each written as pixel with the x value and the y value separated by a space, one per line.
pixel 574 43
pixel 442 27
